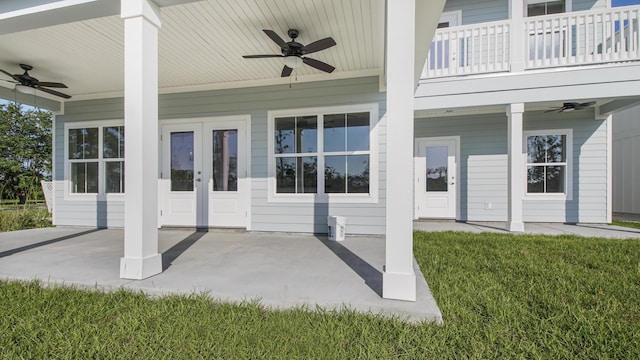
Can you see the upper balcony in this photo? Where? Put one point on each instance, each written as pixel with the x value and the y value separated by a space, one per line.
pixel 595 37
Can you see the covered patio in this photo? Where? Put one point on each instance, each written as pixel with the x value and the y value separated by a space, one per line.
pixel 279 270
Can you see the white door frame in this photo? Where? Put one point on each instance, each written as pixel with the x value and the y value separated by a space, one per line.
pixel 204 121
pixel 417 187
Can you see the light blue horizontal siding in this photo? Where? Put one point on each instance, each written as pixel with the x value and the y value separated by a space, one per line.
pixel 483 165
pixel 479 11
pixel 256 101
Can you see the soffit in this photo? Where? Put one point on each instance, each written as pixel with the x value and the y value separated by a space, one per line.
pixel 201 45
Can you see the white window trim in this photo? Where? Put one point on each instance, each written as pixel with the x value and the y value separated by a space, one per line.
pixel 371 197
pixel 101 195
pixel 568 194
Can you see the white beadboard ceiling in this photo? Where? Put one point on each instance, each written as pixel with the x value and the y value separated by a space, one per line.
pixel 201 45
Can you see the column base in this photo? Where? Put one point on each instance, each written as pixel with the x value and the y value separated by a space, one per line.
pixel 140 268
pixel 517 227
pixel 399 286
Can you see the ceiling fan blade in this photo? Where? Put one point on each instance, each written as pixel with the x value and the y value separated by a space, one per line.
pixel 286 71
pixel 52 84
pixel 318 64
pixel 319 45
pixel 53 92
pixel 261 56
pixel 276 38
pixel 585 105
pixel 555 110
pixel 9 75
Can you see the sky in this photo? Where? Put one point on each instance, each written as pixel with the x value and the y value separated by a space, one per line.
pixel 624 2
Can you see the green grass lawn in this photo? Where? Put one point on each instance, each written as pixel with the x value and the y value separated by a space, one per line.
pixel 629 224
pixel 502 296
pixel 24 217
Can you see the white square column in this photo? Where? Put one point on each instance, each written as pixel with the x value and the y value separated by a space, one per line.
pixel 399 279
pixel 141 22
pixel 516 167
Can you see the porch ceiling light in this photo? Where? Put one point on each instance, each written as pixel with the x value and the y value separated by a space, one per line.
pixel 26 89
pixel 292 61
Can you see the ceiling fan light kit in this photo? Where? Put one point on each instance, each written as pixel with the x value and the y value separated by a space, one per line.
pixel 294 53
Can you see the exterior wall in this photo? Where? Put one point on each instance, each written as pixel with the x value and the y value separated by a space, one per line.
pixel 483 165
pixel 626 166
pixel 479 11
pixel 265 216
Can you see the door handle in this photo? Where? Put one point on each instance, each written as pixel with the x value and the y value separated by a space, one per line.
pixel 198 180
pixel 453 183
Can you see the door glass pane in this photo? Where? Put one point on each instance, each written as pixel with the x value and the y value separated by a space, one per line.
pixel 225 160
pixel 437 167
pixel 182 161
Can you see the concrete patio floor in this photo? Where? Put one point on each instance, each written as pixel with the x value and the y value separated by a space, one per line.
pixel 588 230
pixel 279 270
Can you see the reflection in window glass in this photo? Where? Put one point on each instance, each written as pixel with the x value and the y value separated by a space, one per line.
pixel 83 143
pixel 286 175
pixel 114 177
pixel 358 132
pixel 113 142
pixel 346 174
pixel 335 174
pixel 357 174
pixel 225 160
pixel 84 177
pixel 546 163
pixel 437 158
pixel 306 134
pixel 182 161
pixel 285 135
pixel 334 133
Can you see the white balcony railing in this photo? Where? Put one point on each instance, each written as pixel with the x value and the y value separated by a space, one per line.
pixel 569 39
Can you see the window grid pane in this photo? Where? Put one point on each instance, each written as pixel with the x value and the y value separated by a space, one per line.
pixel 546 164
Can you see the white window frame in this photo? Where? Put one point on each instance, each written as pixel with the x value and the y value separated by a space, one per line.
pixel 568 5
pixel 568 188
pixel 100 195
pixel 321 197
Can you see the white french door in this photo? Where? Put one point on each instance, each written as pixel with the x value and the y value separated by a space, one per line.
pixel 436 167
pixel 204 174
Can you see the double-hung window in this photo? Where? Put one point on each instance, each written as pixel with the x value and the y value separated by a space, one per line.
pixel 322 154
pixel 95 158
pixel 548 162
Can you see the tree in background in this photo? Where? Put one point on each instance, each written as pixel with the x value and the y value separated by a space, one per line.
pixel 25 151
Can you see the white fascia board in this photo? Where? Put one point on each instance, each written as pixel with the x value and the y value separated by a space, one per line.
pixel 55 13
pixel 592 83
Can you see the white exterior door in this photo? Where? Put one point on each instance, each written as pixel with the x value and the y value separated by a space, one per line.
pixel 225 168
pixel 436 165
pixel 204 180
